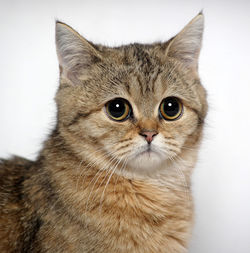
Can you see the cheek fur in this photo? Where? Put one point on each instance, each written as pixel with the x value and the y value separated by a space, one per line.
pixel 177 132
pixel 109 133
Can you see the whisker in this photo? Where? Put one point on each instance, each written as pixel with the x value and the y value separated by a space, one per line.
pixel 166 152
pixel 80 164
pixel 88 167
pixel 183 178
pixel 171 142
pixel 179 171
pixel 97 176
pixel 188 148
pixel 122 168
pixel 108 170
pixel 102 196
pixel 91 164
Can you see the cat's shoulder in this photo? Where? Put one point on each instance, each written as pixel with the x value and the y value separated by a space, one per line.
pixel 14 161
pixel 12 173
pixel 14 165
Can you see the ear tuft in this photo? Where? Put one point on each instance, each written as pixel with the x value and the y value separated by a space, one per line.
pixel 185 46
pixel 75 54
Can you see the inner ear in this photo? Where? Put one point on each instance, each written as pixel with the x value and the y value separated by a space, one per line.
pixel 185 46
pixel 76 55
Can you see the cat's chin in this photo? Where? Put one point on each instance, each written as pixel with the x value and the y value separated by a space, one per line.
pixel 145 162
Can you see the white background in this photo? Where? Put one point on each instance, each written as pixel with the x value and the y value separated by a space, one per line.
pixel 29 79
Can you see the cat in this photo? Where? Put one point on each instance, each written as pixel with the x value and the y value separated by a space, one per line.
pixel 114 174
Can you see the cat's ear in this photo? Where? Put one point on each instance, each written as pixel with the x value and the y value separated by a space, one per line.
pixel 75 54
pixel 186 45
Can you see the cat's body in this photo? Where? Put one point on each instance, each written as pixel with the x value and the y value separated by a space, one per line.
pixel 103 183
pixel 133 217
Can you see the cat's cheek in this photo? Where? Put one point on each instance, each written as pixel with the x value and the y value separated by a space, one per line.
pixel 117 136
pixel 181 127
pixel 190 121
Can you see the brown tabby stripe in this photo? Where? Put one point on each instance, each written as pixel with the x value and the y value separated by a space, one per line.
pixel 80 115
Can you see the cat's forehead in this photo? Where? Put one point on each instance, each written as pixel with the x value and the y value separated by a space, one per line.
pixel 137 74
pixel 135 68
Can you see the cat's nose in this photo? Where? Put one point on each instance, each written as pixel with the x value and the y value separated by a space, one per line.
pixel 149 135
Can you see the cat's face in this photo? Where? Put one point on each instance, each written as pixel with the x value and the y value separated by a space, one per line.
pixel 134 107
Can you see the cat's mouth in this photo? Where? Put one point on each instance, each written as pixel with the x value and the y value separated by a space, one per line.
pixel 148 151
pixel 146 158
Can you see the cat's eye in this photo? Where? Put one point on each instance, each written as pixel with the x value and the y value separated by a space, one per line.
pixel 118 109
pixel 171 108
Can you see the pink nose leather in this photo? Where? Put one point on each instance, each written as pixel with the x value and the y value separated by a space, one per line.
pixel 149 135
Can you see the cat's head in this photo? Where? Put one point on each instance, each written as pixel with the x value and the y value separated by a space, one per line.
pixel 135 106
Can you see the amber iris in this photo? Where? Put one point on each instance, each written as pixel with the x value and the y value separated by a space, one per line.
pixel 171 108
pixel 118 109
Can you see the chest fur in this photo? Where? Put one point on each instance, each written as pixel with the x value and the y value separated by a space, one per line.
pixel 126 216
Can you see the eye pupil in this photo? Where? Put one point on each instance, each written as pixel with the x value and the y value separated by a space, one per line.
pixel 171 108
pixel 116 108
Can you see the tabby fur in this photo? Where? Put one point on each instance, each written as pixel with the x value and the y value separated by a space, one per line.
pixel 90 190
